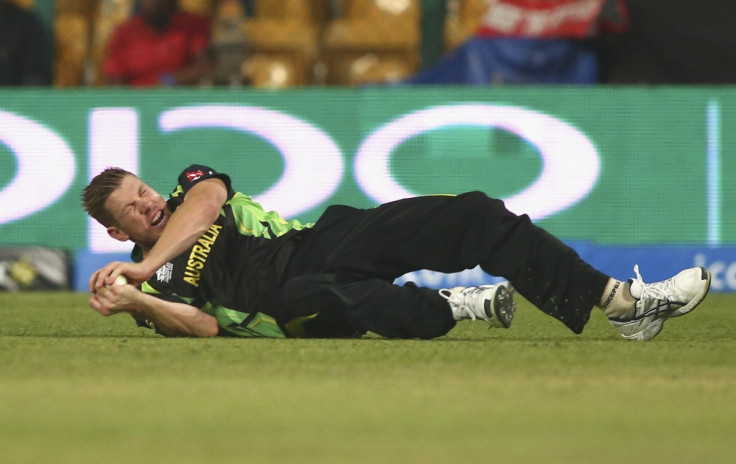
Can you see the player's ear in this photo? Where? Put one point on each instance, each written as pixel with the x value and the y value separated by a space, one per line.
pixel 117 234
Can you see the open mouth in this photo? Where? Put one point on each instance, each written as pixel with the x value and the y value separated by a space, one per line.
pixel 158 218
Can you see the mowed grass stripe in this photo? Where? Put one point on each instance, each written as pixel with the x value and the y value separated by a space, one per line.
pixel 79 388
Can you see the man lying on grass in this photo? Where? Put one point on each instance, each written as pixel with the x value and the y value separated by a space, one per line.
pixel 210 261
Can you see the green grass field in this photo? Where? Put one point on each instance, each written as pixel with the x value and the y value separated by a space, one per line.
pixel 76 387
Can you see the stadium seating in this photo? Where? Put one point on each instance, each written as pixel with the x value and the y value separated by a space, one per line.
pixel 72 29
pixel 372 41
pixel 203 7
pixel 281 50
pixel 82 29
pixel 27 4
pixel 288 42
pixel 461 21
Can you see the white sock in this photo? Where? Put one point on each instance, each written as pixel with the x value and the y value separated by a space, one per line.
pixel 617 301
pixel 635 289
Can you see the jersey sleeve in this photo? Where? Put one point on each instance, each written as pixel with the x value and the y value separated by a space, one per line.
pixel 196 173
pixel 231 323
pixel 193 175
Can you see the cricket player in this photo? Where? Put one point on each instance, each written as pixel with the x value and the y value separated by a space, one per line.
pixel 210 261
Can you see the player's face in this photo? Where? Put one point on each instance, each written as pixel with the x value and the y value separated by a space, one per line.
pixel 140 212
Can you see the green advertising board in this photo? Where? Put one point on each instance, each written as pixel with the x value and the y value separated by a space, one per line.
pixel 629 166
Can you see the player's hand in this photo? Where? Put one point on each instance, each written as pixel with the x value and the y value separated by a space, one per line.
pixel 113 299
pixel 135 273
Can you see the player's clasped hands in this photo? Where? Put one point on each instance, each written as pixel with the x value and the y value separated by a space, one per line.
pixel 111 295
pixel 111 299
pixel 134 273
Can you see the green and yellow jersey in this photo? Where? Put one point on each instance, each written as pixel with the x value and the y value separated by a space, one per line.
pixel 234 269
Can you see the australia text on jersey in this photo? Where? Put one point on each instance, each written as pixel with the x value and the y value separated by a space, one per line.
pixel 199 254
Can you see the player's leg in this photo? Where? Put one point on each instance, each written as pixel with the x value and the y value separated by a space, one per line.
pixel 320 305
pixel 553 277
pixel 450 234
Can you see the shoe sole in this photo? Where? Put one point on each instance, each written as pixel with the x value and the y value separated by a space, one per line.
pixel 501 309
pixel 648 333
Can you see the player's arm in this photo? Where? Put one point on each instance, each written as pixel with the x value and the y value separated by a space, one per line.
pixel 198 211
pixel 173 319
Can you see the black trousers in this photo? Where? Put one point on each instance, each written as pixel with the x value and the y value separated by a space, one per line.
pixel 339 279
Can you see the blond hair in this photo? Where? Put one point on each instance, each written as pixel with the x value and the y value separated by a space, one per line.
pixel 96 193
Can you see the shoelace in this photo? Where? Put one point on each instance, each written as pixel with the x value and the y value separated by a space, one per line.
pixel 658 290
pixel 459 301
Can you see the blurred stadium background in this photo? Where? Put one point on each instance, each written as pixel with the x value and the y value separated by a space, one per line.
pixel 640 158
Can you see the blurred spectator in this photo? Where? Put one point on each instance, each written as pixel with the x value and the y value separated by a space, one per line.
pixel 229 43
pixel 532 42
pixel 159 45
pixel 25 57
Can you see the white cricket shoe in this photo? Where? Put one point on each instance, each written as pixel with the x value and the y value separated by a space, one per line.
pixel 491 303
pixel 658 301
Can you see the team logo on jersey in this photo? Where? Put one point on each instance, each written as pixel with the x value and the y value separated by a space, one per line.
pixel 194 175
pixel 164 273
